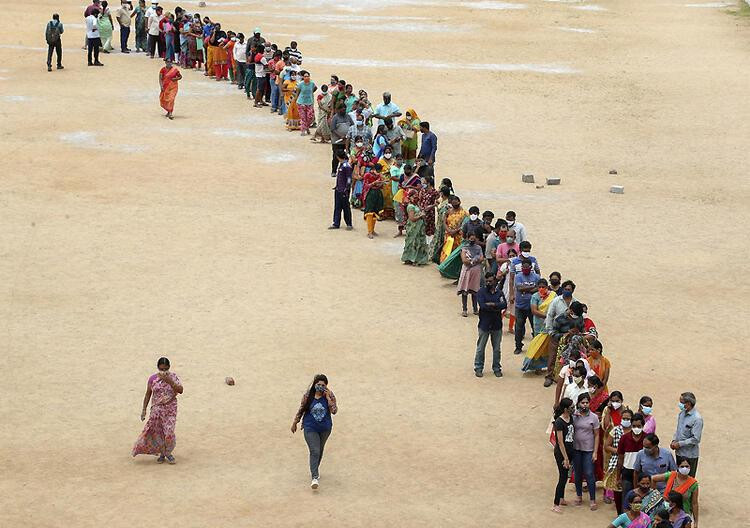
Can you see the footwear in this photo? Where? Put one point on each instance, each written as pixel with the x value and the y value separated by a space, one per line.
pixel 369 235
pixel 91 63
pixel 593 506
pixel 478 373
pixel 349 228
pixel 314 484
pixel 161 459
pixel 464 314
pixel 333 227
pixel 548 382
pixel 476 312
pixel 126 51
pixel 563 502
pixel 98 64
pixel 578 501
pixel 171 459
pixel 607 500
pixel 517 351
pixel 49 68
pixel 556 509
pixel 60 67
pixel 499 374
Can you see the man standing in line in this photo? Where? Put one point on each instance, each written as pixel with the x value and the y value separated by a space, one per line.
pixel 427 151
pixel 518 227
pixel 340 125
pixel 154 33
pixel 524 287
pixel 394 135
pixel 386 109
pixel 88 11
pixel 92 34
pixel 652 460
pixel 687 438
pixel 491 305
pixel 123 15
pixel 54 41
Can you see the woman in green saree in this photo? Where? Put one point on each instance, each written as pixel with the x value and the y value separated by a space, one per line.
pixel 105 28
pixel 415 245
pixel 443 205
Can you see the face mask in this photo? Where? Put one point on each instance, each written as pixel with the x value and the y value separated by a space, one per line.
pixel 424 186
pixel 616 405
pixel 510 223
pixel 320 388
pixel 360 144
pixel 646 410
pixel 543 291
pixel 525 254
pixel 234 39
pixel 526 271
pixel 473 217
pixel 681 406
pixel 636 507
pixel 388 156
pixel 472 242
pixel 637 430
pixel 667 505
pixel 571 363
pixel 510 240
pixel 577 379
pixel 567 294
pixel 625 423
pixel 360 122
pixel 684 470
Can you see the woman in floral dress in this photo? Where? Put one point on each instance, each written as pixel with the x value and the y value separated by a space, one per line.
pixel 158 436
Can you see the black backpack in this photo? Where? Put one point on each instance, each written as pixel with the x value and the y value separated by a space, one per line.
pixel 53 33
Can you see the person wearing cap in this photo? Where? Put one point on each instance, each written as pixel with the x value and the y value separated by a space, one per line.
pixel 387 109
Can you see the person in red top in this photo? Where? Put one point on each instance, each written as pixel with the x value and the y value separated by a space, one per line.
pixel 630 443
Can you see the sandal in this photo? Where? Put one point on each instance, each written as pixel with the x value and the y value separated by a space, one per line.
pixel 161 459
pixel 171 459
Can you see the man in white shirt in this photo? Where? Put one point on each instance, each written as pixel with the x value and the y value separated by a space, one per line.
pixel 518 227
pixel 154 38
pixel 93 42
pixel 240 57
pixel 387 109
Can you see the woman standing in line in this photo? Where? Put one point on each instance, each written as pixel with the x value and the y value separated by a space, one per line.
pixel 612 489
pixel 106 27
pixel 305 91
pixel 158 436
pixel 323 130
pixel 315 410
pixel 410 126
pixel 645 407
pixel 471 273
pixel 415 245
pixel 443 206
pixel 564 449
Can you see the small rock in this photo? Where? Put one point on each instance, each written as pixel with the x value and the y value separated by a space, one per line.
pixel 229 381
pixel 201 4
pixel 527 178
pixel 553 181
pixel 617 189
pixel 613 171
pixel 540 186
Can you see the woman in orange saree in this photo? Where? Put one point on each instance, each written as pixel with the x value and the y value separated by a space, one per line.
pixel 168 77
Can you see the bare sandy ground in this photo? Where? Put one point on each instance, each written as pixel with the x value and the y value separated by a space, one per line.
pixel 126 237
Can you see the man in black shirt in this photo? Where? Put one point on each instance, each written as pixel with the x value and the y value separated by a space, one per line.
pixel 491 305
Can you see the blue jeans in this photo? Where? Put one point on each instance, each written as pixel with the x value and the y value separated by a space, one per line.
pixel 274 96
pixel 496 337
pixel 282 107
pixel 583 466
pixel 170 47
pixel 124 34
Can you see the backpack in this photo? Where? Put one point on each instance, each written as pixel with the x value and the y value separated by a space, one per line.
pixel 53 33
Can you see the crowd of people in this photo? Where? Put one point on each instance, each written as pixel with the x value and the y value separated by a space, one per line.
pixel 383 162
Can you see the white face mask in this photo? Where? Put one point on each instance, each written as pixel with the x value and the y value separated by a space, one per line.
pixel 510 240
pixel 473 217
pixel 625 423
pixel 637 430
pixel 684 470
pixel 359 143
pixel 388 156
pixel 616 405
pixel 525 254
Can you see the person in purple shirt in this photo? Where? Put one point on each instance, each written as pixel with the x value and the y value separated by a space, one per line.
pixel 524 285
pixel 341 193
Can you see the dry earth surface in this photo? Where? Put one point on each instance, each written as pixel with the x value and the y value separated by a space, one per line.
pixel 126 237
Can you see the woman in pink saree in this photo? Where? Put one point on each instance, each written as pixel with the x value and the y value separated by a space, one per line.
pixel 158 436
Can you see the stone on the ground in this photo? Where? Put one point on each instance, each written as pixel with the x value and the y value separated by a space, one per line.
pixel 553 181
pixel 527 178
pixel 201 4
pixel 229 381
pixel 617 189
pixel 613 171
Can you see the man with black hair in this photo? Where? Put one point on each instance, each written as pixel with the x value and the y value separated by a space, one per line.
pixel 524 286
pixel 53 34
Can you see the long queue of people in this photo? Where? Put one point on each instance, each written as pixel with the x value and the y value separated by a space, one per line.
pixel 383 162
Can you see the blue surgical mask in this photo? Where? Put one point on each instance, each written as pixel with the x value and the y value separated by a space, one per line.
pixel 567 294
pixel 646 410
pixel 681 406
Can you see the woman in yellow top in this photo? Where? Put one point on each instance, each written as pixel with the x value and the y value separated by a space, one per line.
pixel 289 89
pixel 598 362
pixel 453 222
pixel 410 126
pixel 536 357
pixel 385 162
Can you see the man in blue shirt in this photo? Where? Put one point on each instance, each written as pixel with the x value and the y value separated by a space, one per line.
pixel 387 109
pixel 687 438
pixel 652 460
pixel 428 150
pixel 491 305
pixel 524 287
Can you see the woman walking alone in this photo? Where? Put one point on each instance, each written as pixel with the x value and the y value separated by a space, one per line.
pixel 317 407
pixel 168 77
pixel 158 436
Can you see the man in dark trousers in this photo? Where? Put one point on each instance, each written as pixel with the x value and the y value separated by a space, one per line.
pixel 341 193
pixel 53 34
pixel 491 305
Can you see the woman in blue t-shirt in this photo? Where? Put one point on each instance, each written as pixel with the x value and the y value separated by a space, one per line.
pixel 317 406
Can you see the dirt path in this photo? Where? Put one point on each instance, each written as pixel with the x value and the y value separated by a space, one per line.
pixel 126 237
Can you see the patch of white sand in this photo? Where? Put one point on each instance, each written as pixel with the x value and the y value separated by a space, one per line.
pixel 576 30
pixel 87 139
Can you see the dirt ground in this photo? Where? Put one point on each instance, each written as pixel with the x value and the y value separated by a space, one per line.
pixel 126 237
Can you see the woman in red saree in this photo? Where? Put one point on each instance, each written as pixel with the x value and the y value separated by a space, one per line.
pixel 158 436
pixel 168 77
